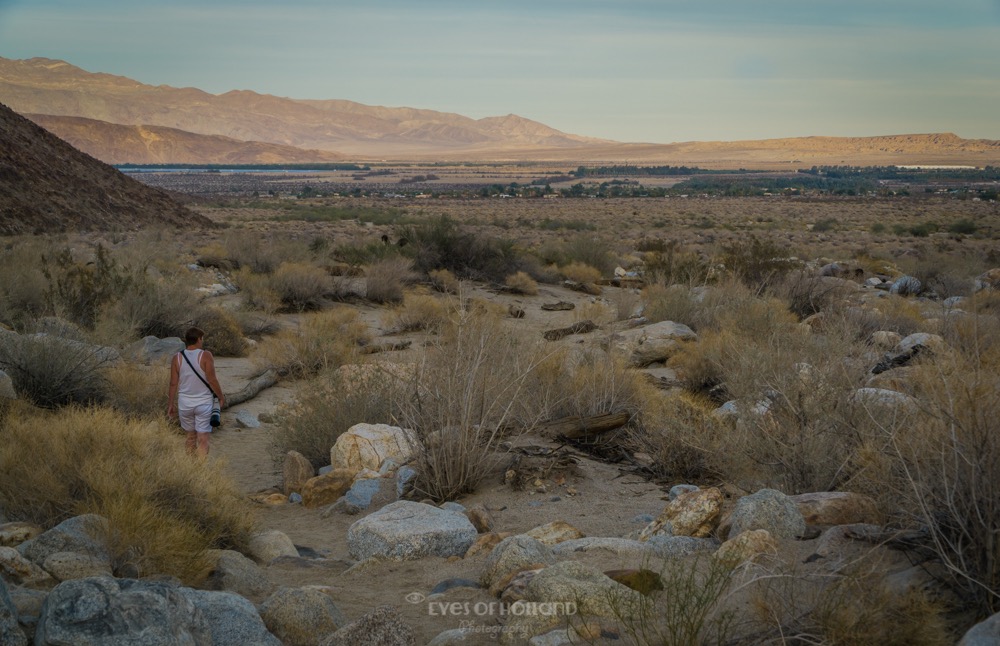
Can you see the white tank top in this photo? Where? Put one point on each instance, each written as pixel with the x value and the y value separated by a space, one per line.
pixel 191 391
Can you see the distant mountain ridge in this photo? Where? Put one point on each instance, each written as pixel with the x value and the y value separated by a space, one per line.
pixel 128 121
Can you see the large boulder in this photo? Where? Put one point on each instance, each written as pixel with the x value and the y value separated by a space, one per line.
pixel 985 633
pixel 103 610
pixel 18 569
pixel 558 531
pixel 301 616
pixel 514 554
pixel 651 343
pixel 746 546
pixel 407 530
pixel 623 549
pixel 80 534
pixel 234 572
pixel 10 631
pixel 988 280
pixel 693 513
pixel 367 446
pixel 150 350
pixel 383 626
pixel 327 488
pixel 836 508
pixel 64 566
pixel 231 619
pixel 767 509
pixel 7 386
pixel 906 286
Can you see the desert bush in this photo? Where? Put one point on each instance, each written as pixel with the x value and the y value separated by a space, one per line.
pixel 673 265
pixel 580 273
pixel 470 386
pixel 385 280
pixel 164 509
pixel 442 244
pixel 300 286
pixel 23 289
pixel 136 390
pixel 149 306
pixel 323 341
pixel 590 250
pixel 758 263
pixel 626 303
pixel 444 281
pixel 670 303
pixel 51 372
pixel 521 283
pixel 257 291
pixel 78 289
pixel 417 312
pixel 334 402
pixel 252 250
pixel 807 294
pixel 223 333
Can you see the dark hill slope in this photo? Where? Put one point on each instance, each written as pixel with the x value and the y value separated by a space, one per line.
pixel 46 185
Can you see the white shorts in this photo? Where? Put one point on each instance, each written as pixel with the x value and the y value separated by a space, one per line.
pixel 196 419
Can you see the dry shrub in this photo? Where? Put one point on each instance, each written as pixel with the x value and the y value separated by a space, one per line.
pixel 385 280
pixel 595 311
pixel 252 250
pixel 417 312
pixel 22 290
pixel 521 283
pixel 444 281
pixel 149 306
pixel 137 391
pixel 673 265
pixel 683 438
pixel 323 341
pixel 50 371
pixel 470 389
pixel 300 286
pixel 223 333
pixel 670 303
pixel 700 366
pixel 626 303
pixel 807 294
pixel 164 509
pixel 759 264
pixel 580 273
pixel 334 402
pixel 258 293
pixel 256 325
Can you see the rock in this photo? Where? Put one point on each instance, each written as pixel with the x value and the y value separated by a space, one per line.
pixel 246 419
pixel 988 280
pixel 455 637
pixel 480 518
pixel 906 286
pixel 767 509
pixel 28 604
pixel 885 339
pixel 10 631
pixel 383 626
pixel 887 399
pixel 327 488
pixel 517 586
pixel 932 342
pixel 405 477
pixel 301 616
pixel 451 584
pixel 835 542
pixel 624 549
pixel 652 343
pixel 268 545
pixel 103 610
pixel 679 546
pixel 486 542
pixel 832 269
pixel 677 490
pixel 557 637
pixel 745 546
pixel 580 589
pixel 643 581
pixel 694 513
pixel 276 499
pixel 20 570
pixel 511 556
pixel 80 534
pixel 836 508
pixel 558 531
pixel 364 494
pixel 64 566
pixel 366 446
pixel 986 632
pixel 7 386
pixel 231 619
pixel 453 506
pixel 150 350
pixel 558 306
pixel 408 530
pixel 234 572
pixel 13 534
pixel 296 471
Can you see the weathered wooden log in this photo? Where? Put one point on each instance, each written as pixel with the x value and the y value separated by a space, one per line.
pixel 577 427
pixel 386 347
pixel 261 382
pixel 559 306
pixel 580 327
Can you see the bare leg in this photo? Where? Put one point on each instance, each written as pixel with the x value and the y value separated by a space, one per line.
pixel 190 442
pixel 203 439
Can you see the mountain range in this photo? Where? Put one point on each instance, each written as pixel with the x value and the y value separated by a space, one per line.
pixel 120 120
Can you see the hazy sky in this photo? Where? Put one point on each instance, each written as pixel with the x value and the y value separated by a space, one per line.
pixel 630 70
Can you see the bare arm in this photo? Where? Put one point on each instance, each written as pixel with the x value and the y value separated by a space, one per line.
pixel 208 365
pixel 172 393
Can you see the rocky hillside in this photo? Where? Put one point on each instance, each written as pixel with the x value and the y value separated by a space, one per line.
pixel 118 144
pixel 47 185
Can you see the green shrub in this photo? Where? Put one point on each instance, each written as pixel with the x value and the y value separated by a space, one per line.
pixel 758 263
pixel 442 244
pixel 965 226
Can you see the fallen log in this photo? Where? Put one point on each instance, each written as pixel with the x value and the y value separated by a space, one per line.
pixel 580 327
pixel 559 306
pixel 576 427
pixel 261 382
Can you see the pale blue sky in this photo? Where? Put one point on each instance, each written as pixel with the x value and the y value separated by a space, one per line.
pixel 630 70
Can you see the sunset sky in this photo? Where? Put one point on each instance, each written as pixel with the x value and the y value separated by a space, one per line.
pixel 630 70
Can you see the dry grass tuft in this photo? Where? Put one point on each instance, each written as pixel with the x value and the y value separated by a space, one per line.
pixel 385 280
pixel 521 283
pixel 164 509
pixel 323 341
pixel 418 312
